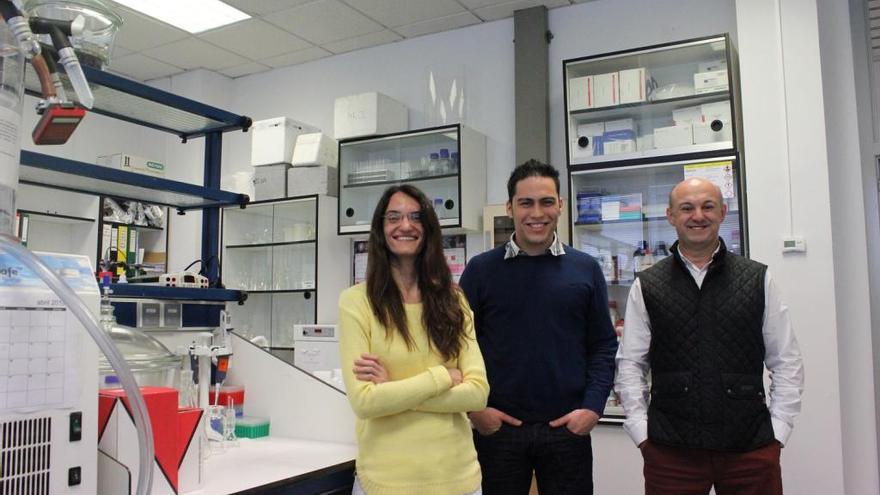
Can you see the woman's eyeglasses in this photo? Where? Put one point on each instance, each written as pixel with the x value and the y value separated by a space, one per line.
pixel 395 217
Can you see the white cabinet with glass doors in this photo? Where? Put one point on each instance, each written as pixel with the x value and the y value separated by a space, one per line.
pixel 270 250
pixel 447 163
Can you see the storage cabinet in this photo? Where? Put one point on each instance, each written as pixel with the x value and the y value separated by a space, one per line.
pixel 134 232
pixel 637 123
pixel 270 250
pixel 447 163
pixel 674 99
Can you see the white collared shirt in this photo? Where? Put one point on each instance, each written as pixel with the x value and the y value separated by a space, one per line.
pixel 782 357
pixel 512 250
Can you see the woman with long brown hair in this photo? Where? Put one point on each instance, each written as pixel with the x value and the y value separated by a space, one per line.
pixel 416 368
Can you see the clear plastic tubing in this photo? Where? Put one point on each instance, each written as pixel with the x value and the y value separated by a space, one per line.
pixel 78 308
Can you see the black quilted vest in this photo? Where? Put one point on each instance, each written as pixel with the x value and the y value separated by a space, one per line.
pixel 707 354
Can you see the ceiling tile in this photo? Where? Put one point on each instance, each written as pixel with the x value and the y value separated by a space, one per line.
pixel 505 10
pixel 324 21
pixel 261 7
pixel 476 4
pixel 244 70
pixel 255 39
pixel 194 53
pixel 299 57
pixel 139 32
pixel 141 68
pixel 365 41
pixel 438 25
pixel 118 51
pixel 393 13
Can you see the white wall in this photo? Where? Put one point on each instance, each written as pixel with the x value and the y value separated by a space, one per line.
pixel 803 174
pixel 850 248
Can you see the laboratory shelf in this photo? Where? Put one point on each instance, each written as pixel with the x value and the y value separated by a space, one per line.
pixel 398 181
pixel 282 291
pixel 134 102
pixel 61 173
pixel 268 244
pixel 46 216
pixel 651 109
pixel 176 293
pixel 133 225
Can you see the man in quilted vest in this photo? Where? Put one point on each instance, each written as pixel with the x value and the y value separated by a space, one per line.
pixel 706 322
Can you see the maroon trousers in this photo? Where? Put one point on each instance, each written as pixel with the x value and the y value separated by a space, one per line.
pixel 683 471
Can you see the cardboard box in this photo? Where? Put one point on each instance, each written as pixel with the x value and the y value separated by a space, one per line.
pixel 272 140
pixel 315 149
pixel 619 137
pixel 132 163
pixel 633 88
pixel 588 141
pixel 710 82
pixel 312 180
pixel 621 207
pixel 580 93
pixel 645 142
pixel 712 65
pixel 606 90
pixel 703 132
pixel 719 110
pixel 270 181
pixel 673 136
pixel 687 115
pixel 176 439
pixel 368 114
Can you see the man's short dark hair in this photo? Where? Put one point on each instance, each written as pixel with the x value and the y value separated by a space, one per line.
pixel 531 168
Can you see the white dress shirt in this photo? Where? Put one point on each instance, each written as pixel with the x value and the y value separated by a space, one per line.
pixel 782 357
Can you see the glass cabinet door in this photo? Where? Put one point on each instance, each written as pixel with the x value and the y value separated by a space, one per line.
pixel 668 100
pixel 428 159
pixel 270 251
pixel 620 219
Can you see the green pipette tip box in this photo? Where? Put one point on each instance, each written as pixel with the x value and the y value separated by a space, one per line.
pixel 251 427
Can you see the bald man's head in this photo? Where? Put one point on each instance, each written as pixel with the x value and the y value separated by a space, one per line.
pixel 694 183
pixel 696 210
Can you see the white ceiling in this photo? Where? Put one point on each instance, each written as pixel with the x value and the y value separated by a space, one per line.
pixel 289 32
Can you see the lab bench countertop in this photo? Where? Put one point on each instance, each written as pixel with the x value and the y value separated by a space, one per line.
pixel 265 465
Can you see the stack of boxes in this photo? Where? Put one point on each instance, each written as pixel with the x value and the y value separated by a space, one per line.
pixel 707 123
pixel 274 152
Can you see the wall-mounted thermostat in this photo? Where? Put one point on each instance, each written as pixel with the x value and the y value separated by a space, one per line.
pixel 793 244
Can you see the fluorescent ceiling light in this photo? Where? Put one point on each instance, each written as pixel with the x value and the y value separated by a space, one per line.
pixel 194 16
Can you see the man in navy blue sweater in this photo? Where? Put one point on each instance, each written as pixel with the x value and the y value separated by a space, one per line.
pixel 542 322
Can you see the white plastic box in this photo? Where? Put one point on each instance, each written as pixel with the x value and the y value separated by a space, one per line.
pixel 312 180
pixel 132 163
pixel 368 114
pixel 315 149
pixel 273 140
pixel 270 181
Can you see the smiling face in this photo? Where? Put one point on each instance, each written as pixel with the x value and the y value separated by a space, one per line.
pixel 535 210
pixel 404 237
pixel 696 210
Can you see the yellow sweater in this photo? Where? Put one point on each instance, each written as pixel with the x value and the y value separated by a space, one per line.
pixel 412 431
